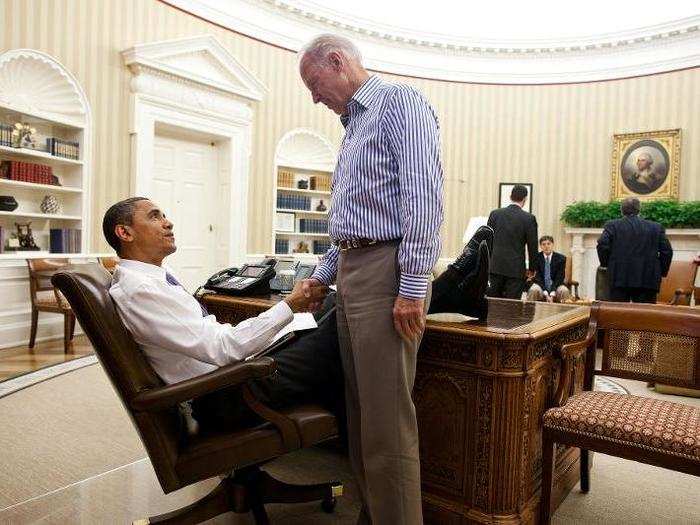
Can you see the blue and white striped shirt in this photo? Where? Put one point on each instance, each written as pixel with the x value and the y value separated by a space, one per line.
pixel 388 181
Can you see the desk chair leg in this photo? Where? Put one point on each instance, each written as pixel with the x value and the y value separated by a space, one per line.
pixel 35 322
pixel 585 472
pixel 66 333
pixel 548 449
pixel 215 503
pixel 72 325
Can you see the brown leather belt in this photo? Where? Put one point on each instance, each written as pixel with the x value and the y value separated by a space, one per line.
pixel 351 244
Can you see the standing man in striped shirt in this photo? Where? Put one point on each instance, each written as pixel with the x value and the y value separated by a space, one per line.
pixel 384 221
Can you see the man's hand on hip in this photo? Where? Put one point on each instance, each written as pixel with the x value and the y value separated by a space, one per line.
pixel 409 318
pixel 307 295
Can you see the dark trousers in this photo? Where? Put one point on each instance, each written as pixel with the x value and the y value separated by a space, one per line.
pixel 506 287
pixel 308 370
pixel 636 295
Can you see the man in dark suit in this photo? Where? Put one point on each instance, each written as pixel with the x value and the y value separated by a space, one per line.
pixel 636 253
pixel 550 266
pixel 513 229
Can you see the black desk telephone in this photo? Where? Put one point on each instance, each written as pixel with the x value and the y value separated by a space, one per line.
pixel 259 278
pixel 249 279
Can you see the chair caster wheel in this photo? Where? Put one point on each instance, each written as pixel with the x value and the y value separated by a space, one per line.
pixel 328 505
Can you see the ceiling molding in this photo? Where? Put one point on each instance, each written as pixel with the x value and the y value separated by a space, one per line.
pixel 289 24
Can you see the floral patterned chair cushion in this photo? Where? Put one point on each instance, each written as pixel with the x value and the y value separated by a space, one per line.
pixel 652 424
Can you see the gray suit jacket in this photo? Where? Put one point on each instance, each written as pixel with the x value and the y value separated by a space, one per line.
pixel 513 229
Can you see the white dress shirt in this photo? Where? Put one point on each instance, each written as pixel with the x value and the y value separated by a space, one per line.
pixel 168 325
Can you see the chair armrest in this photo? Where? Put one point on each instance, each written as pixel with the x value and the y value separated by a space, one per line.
pixel 286 426
pixel 570 354
pixel 571 282
pixel 680 293
pixel 170 395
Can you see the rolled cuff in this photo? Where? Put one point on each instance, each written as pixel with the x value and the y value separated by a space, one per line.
pixel 413 286
pixel 324 274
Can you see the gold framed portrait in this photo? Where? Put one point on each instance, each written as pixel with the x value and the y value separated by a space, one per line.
pixel 646 165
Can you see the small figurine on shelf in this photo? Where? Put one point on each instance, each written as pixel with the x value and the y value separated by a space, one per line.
pixel 26 239
pixel 303 184
pixel 23 136
pixel 321 206
pixel 302 247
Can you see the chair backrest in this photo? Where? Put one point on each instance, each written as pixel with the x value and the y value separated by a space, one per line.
pixel 40 273
pixel 647 342
pixel 86 287
pixel 680 275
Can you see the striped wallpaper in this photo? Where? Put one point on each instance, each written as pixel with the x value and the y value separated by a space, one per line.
pixel 557 137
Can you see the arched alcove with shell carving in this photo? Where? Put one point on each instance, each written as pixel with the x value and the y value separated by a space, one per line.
pixel 304 162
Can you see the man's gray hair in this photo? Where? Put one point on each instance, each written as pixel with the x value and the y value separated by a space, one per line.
pixel 630 206
pixel 321 46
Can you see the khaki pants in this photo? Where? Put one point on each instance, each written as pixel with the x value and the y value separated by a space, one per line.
pixel 535 293
pixel 379 369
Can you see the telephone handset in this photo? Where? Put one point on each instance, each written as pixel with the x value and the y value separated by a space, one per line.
pixel 249 279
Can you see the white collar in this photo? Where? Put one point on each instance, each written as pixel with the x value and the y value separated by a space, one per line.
pixel 142 267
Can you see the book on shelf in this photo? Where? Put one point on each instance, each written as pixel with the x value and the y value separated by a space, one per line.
pixel 5 135
pixel 64 240
pixel 27 172
pixel 63 148
pixel 281 245
pixel 321 247
pixel 313 226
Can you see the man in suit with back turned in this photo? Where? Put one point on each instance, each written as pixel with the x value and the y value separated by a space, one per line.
pixel 514 228
pixel 637 254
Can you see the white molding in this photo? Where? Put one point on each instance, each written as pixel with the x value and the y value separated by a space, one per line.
pixel 307 149
pixel 173 83
pixel 200 60
pixel 289 24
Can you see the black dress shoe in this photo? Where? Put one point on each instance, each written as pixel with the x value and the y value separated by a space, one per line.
pixel 472 289
pixel 466 262
pixel 456 293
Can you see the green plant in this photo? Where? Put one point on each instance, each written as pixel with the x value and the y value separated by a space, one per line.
pixel 590 214
pixel 670 214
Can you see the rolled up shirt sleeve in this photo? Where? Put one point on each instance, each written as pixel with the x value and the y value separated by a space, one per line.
pixel 162 319
pixel 328 267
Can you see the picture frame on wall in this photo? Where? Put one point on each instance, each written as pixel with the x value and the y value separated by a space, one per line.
pixel 284 222
pixel 504 189
pixel 646 165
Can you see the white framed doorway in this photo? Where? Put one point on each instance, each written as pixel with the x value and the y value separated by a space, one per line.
pixel 187 93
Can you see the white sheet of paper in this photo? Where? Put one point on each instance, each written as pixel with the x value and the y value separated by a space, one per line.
pixel 447 317
pixel 303 321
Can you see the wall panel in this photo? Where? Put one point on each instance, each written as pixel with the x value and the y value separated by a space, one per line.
pixel 557 137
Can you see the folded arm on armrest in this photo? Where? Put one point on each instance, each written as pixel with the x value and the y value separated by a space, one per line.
pixel 229 375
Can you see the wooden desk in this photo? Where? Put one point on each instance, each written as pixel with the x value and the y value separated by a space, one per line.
pixel 481 389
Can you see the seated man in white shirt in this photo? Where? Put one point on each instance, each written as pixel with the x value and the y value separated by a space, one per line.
pixel 181 341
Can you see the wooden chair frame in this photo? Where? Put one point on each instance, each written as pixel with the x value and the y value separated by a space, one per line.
pixel 606 316
pixel 40 273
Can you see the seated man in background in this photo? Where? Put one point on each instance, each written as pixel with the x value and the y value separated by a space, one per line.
pixel 548 282
pixel 181 340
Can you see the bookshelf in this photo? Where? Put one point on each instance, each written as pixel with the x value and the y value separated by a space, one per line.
pixel 301 194
pixel 62 118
